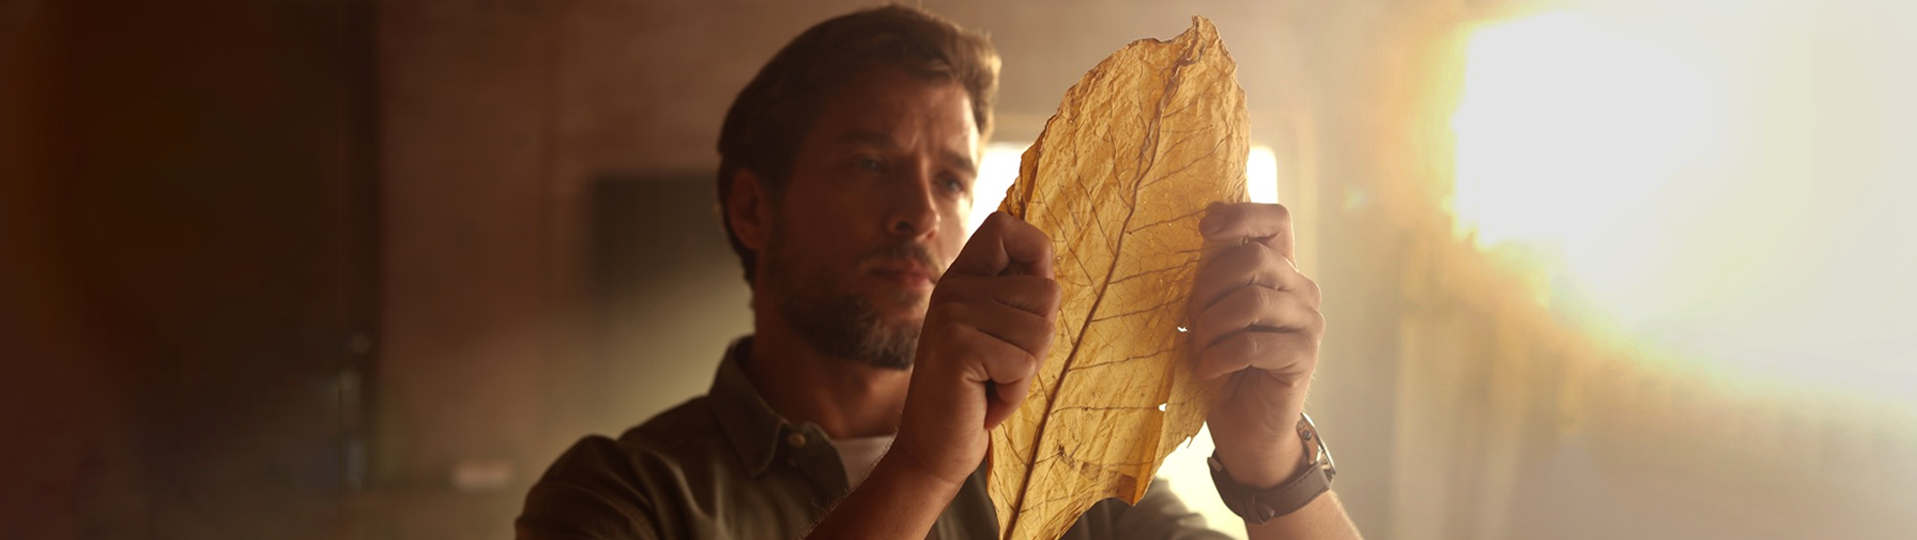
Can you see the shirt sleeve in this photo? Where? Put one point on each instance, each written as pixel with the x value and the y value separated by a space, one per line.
pixel 584 496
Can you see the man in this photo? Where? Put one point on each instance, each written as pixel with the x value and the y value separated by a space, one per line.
pixel 845 181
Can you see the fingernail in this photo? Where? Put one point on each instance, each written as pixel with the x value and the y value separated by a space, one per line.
pixel 1209 226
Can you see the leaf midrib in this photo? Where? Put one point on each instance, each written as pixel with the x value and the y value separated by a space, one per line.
pixel 1147 156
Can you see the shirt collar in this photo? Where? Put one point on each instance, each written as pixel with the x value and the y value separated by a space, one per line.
pixel 748 422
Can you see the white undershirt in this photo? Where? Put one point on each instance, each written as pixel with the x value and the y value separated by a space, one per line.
pixel 860 455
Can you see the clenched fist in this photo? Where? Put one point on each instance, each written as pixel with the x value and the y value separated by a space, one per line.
pixel 987 329
pixel 1256 320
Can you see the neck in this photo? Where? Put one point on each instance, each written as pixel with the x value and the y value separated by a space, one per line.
pixel 847 398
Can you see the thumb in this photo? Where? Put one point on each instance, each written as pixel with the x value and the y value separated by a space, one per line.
pixel 1005 245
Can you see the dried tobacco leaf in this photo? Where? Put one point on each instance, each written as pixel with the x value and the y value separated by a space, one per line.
pixel 1119 179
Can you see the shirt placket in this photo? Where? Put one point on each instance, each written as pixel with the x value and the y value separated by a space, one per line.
pixel 805 450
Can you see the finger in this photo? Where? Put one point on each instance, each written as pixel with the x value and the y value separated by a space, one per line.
pixel 1279 352
pixel 1005 244
pixel 1006 371
pixel 1268 224
pixel 1250 265
pixel 1254 308
pixel 1032 294
pixel 1029 332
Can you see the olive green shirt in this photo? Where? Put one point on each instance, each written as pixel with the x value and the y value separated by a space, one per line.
pixel 724 466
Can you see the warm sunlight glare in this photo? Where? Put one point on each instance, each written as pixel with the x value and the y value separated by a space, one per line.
pixel 1261 175
pixel 996 172
pixel 1725 181
pixel 1565 127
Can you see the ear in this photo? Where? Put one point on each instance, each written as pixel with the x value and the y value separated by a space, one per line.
pixel 749 210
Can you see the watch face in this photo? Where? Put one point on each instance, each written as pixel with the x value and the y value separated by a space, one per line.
pixel 1315 446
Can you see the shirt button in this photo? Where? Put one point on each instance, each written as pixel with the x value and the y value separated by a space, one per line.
pixel 796 439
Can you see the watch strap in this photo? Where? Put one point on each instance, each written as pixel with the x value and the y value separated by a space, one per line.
pixel 1261 505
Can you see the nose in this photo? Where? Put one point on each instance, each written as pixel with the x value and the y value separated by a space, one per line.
pixel 914 210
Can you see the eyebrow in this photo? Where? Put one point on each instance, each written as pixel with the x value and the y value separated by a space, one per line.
pixel 962 162
pixel 882 141
pixel 866 137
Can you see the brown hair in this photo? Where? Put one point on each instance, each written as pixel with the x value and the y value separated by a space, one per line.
pixel 774 112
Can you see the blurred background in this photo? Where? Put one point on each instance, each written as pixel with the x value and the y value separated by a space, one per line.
pixel 362 268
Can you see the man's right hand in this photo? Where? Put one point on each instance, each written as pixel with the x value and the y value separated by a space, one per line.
pixel 987 329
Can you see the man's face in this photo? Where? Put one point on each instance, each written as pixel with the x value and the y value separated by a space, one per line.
pixel 873 212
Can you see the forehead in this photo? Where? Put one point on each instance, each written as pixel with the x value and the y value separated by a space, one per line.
pixel 896 103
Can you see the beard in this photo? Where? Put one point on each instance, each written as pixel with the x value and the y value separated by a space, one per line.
pixel 838 321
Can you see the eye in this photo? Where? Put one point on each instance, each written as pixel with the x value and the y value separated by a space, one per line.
pixel 953 184
pixel 870 164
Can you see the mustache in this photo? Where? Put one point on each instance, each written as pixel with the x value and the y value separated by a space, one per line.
pixel 910 251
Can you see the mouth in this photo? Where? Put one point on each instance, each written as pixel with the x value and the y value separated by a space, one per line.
pixel 908 274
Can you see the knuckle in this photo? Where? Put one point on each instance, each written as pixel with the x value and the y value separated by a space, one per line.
pixel 1304 357
pixel 1052 293
pixel 1044 243
pixel 994 221
pixel 1282 213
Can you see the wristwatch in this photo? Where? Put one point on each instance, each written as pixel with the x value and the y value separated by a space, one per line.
pixel 1261 505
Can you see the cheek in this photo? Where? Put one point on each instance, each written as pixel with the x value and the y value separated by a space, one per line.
pixel 952 238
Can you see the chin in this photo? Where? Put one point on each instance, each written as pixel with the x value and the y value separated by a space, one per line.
pixel 901 300
pixel 904 314
pixel 913 317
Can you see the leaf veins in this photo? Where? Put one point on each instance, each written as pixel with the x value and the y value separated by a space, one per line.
pixel 1119 179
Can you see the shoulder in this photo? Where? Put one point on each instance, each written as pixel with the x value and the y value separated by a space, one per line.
pixel 601 485
pixel 594 490
pixel 688 435
pixel 692 423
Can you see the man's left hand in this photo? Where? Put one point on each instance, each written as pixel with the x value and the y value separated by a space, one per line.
pixel 1255 319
